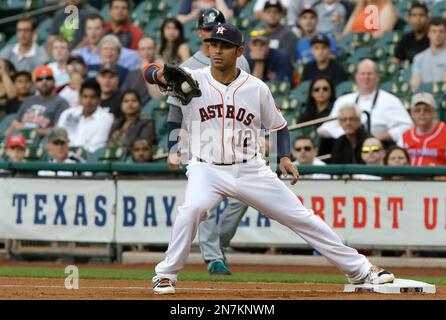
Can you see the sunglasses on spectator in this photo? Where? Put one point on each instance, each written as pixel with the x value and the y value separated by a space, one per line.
pixel 370 149
pixel 45 78
pixel 59 142
pixel 324 89
pixel 306 148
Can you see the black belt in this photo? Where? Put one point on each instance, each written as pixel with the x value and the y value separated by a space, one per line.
pixel 226 164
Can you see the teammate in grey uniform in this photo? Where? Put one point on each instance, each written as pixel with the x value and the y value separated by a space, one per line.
pixel 212 236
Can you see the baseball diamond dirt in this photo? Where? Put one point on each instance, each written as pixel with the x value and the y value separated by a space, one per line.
pixel 106 289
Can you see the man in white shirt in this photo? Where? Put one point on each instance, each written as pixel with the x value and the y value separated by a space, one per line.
pixel 388 117
pixel 88 125
pixel 305 152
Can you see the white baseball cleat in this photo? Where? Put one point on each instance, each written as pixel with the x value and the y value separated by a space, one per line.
pixel 376 275
pixel 164 286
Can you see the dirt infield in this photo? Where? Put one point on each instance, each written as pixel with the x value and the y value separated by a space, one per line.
pixel 34 288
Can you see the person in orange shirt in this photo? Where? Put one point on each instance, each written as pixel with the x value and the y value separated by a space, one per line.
pixel 363 18
pixel 426 140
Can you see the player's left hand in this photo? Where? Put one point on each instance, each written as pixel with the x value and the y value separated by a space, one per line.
pixel 287 166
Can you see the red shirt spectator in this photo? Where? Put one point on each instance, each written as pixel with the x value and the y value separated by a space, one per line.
pixel 120 26
pixel 426 140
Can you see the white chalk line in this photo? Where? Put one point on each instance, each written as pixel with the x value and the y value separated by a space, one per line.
pixel 178 289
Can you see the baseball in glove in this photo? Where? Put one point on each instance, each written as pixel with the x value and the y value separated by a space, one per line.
pixel 180 84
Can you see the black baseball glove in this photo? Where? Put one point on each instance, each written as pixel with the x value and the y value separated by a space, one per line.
pixel 180 84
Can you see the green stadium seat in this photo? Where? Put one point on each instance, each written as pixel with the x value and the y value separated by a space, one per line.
pixel 152 28
pixel 161 121
pixel 6 122
pixel 150 107
pixel 35 153
pixel 108 154
pixel 432 87
pixel 156 8
pixel 397 88
pixel 104 12
pixel 438 10
pixel 345 87
pixel 79 151
pixel 279 88
pixel 301 91
pixel 387 70
pixel 43 30
pixel 140 15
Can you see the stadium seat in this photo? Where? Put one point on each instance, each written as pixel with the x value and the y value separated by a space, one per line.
pixel 150 106
pixel 43 30
pixel 104 12
pixel 345 87
pixel 79 151
pixel 152 28
pixel 6 122
pixel 301 91
pixel 108 154
pixel 140 16
pixel 438 9
pixel 34 153
pixel 432 87
pixel 397 88
pixel 279 88
pixel 161 121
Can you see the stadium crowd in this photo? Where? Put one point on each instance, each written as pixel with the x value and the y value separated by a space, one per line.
pixel 74 92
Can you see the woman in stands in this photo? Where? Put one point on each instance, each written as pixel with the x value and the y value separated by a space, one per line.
pixel 133 125
pixel 321 97
pixel 396 156
pixel 373 16
pixel 173 48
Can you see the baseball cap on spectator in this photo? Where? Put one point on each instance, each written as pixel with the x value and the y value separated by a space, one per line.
pixel 308 10
pixel 258 34
pixel 108 68
pixel 57 134
pixel 16 140
pixel 320 38
pixel 423 97
pixel 273 4
pixel 43 72
pixel 226 32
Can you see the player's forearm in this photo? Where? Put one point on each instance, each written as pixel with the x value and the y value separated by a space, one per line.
pixel 283 143
pixel 154 74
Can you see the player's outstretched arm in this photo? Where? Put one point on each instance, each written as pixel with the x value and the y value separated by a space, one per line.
pixel 286 166
pixel 154 74
pixel 283 151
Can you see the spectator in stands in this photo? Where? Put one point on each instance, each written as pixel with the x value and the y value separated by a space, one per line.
pixel 60 51
pixel 110 95
pixel 88 48
pixel 147 53
pixel 192 9
pixel 88 125
pixel 25 55
pixel 259 7
pixel 141 151
pixel 415 41
pixel 305 152
pixel 372 153
pixel 77 71
pixel 109 49
pixel 347 148
pixel 15 148
pixel 266 63
pixel 57 147
pixel 120 26
pixel 426 140
pixel 295 8
pixel 332 16
pixel 364 20
pixel 8 90
pixel 305 31
pixel 430 64
pixel 69 28
pixel 396 156
pixel 42 110
pixel 23 83
pixel 323 65
pixel 280 36
pixel 173 48
pixel 132 125
pixel 388 116
pixel 321 96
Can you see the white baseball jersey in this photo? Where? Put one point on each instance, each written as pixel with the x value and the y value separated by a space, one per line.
pixel 224 123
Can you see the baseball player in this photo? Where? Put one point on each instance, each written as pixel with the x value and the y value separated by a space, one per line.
pixel 235 104
pixel 212 236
